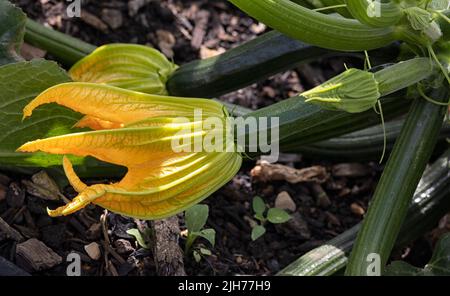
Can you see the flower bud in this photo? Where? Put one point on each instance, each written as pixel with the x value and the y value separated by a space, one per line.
pixel 352 91
pixel 130 66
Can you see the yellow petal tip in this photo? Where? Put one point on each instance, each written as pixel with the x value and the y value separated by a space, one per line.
pixel 55 213
pixel 24 148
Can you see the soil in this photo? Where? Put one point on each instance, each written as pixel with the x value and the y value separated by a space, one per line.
pixel 188 30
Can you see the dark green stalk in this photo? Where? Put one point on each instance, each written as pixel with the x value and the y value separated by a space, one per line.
pixel 302 123
pixel 429 204
pixel 400 177
pixel 362 145
pixel 404 74
pixel 243 65
pixel 65 48
pixel 389 13
pixel 316 28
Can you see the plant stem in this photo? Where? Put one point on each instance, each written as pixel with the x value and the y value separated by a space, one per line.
pixel 316 28
pixel 403 74
pixel 369 13
pixel 189 241
pixel 429 204
pixel 301 123
pixel 342 11
pixel 65 48
pixel 398 182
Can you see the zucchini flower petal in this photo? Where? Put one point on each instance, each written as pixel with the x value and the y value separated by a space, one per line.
pixel 352 91
pixel 130 66
pixel 137 131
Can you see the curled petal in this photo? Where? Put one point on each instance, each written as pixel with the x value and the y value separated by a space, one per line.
pixel 127 146
pixel 154 201
pixel 80 201
pixel 76 183
pixel 166 203
pixel 119 105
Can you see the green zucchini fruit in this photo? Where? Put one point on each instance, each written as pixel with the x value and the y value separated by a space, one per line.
pixel 430 203
pixel 398 182
pixel 243 65
pixel 363 145
pixel 302 123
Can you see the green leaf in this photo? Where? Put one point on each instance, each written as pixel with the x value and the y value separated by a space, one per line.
pixel 260 217
pixel 259 207
pixel 21 82
pixel 440 262
pixel 277 216
pixel 438 265
pixel 139 237
pixel 401 268
pixel 206 252
pixel 208 234
pixel 197 256
pixel 257 232
pixel 12 30
pixel 196 217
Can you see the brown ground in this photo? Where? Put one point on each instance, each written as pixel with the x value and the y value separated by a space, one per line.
pixel 187 30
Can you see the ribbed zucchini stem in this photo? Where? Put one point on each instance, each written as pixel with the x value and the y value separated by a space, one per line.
pixel 316 28
pixel 65 48
pixel 396 187
pixel 375 13
pixel 430 202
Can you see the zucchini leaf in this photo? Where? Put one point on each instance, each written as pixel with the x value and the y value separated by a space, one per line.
pixel 12 30
pixel 20 83
pixel 438 265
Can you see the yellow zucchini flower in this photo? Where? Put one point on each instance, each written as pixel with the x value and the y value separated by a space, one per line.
pixel 138 131
pixel 130 66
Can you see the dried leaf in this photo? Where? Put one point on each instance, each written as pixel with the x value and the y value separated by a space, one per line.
pixel 266 172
